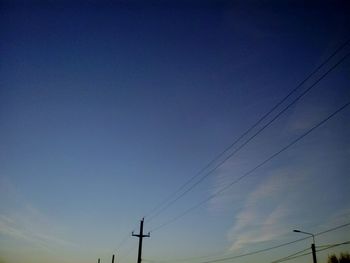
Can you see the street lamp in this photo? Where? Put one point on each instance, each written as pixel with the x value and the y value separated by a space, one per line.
pixel 313 249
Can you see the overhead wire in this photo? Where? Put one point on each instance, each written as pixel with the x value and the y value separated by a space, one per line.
pixel 296 254
pixel 123 241
pixel 290 258
pixel 157 207
pixel 332 229
pixel 282 245
pixel 121 244
pixel 255 168
pixel 127 252
pixel 207 257
pixel 250 128
pixel 249 253
pixel 305 254
pixel 168 203
pixel 331 245
pixel 259 250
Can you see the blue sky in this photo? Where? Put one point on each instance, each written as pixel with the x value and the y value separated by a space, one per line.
pixel 108 107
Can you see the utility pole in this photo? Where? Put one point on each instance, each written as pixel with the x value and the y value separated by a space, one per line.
pixel 98 261
pixel 140 236
pixel 113 258
pixel 313 248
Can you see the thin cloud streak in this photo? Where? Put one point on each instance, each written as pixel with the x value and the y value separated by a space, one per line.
pixel 263 211
pixel 12 229
pixel 27 223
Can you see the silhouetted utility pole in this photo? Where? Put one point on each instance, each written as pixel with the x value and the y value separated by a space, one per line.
pixel 98 261
pixel 140 236
pixel 113 258
pixel 313 248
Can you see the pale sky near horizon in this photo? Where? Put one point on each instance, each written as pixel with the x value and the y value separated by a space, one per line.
pixel 108 107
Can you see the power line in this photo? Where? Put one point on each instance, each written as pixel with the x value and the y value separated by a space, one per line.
pixel 252 127
pixel 128 252
pixel 170 202
pixel 332 229
pixel 157 210
pixel 331 245
pixel 297 256
pixel 288 243
pixel 247 254
pixel 264 249
pixel 255 168
pixel 188 259
pixel 335 245
pixel 256 251
pixel 122 243
pixel 290 258
pixel 206 257
pixel 161 204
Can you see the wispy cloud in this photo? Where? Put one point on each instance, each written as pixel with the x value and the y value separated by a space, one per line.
pixel 287 198
pixel 304 187
pixel 263 211
pixel 23 222
pixel 14 229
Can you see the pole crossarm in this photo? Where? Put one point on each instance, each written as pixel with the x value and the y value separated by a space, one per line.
pixel 140 236
pixel 136 235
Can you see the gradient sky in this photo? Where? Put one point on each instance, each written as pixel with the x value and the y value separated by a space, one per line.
pixel 107 107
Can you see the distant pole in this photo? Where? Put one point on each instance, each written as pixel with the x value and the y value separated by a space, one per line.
pixel 140 236
pixel 313 248
pixel 98 261
pixel 113 258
